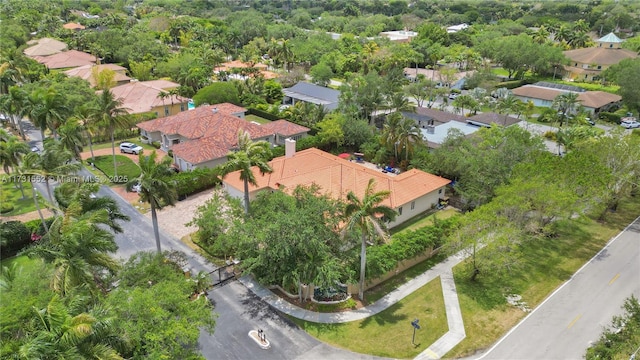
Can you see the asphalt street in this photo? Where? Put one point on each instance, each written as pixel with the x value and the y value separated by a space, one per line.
pixel 573 317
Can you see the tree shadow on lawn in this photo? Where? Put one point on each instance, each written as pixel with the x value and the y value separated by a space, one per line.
pixel 388 316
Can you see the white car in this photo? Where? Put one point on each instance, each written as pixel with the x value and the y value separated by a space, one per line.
pixel 453 96
pixel 629 123
pixel 130 148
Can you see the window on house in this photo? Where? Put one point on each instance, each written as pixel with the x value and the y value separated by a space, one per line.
pixel 413 205
pixel 610 45
pixel 166 111
pixel 400 210
pixel 599 67
pixel 439 191
pixel 181 107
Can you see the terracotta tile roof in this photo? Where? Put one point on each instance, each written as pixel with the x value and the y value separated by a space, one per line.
pixel 285 128
pixel 73 26
pixel 598 99
pixel 86 72
pixel 439 115
pixel 142 96
pixel 490 118
pixel 337 177
pixel 44 47
pixel 237 64
pixel 66 59
pixel 599 55
pixel 435 75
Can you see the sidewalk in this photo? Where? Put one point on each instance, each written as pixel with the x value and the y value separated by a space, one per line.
pixel 443 270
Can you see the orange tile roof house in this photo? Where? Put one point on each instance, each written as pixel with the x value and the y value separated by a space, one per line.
pixel 66 59
pixel 73 26
pixel 203 137
pixel 141 97
pixel 543 94
pixel 44 47
pixel 587 64
pixel 86 73
pixel 412 192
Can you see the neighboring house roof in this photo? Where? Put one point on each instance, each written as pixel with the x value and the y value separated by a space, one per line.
pixel 337 177
pixel 314 94
pixel 237 64
pixel 440 132
pixel 610 38
pixel 598 99
pixel 435 75
pixel 490 118
pixel 590 99
pixel 142 96
pixel 66 59
pixel 456 28
pixel 73 26
pixel 86 72
pixel 599 55
pixel 44 47
pixel 285 128
pixel 399 35
pixel 436 115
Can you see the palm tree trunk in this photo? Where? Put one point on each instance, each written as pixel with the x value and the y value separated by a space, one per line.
pixel 22 190
pixel 246 197
pixel 46 183
pixel 35 201
pixel 113 152
pixel 363 264
pixel 20 129
pixel 154 221
pixel 91 149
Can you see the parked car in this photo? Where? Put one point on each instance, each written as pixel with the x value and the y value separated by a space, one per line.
pixel 130 148
pixel 629 123
pixel 453 96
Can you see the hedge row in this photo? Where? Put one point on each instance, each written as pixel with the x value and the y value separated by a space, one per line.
pixel 17 235
pixel 406 245
pixel 301 144
pixel 610 117
pixel 263 114
pixel 199 179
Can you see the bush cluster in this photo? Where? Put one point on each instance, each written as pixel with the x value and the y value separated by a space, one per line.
pixel 610 117
pixel 156 144
pixel 406 245
pixel 263 114
pixel 302 144
pixel 191 182
pixel 15 237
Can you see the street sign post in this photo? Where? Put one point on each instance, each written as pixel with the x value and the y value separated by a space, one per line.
pixel 415 325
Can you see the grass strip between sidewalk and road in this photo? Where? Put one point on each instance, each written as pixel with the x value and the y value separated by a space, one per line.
pixel 389 332
pixel 547 264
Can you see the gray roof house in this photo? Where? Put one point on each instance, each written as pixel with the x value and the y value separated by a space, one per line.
pixel 311 93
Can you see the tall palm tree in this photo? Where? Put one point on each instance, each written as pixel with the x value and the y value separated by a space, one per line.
pixel 247 155
pixel 11 151
pixel 509 104
pixel 113 116
pixel 86 116
pixel 48 110
pixel 71 137
pixel 155 187
pixel 13 104
pixel 366 215
pixel 566 103
pixel 54 162
pixel 409 135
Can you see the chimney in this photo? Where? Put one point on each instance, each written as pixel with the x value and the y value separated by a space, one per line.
pixel 431 129
pixel 289 148
pixel 215 110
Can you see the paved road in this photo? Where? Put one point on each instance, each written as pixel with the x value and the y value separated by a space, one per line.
pixel 565 324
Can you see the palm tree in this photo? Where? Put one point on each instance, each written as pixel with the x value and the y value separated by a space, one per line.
pixel 71 137
pixel 48 110
pixel 366 215
pixel 247 155
pixel 464 101
pixel 13 104
pixel 11 151
pixel 409 135
pixel 88 120
pixel 64 331
pixel 155 187
pixel 566 103
pixel 53 163
pixel 509 104
pixel 113 116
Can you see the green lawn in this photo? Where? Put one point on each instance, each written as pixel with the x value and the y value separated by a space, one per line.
pixel 547 264
pixel 256 118
pixel 421 221
pixel 389 333
pixel 107 145
pixel 12 195
pixel 127 169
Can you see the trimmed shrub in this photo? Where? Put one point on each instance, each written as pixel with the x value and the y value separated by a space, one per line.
pixel 15 236
pixel 406 245
pixel 191 182
pixel 610 117
pixel 156 144
pixel 263 114
pixel 217 93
